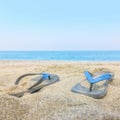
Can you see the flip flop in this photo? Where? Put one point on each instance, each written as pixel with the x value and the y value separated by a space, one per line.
pixel 45 79
pixel 98 83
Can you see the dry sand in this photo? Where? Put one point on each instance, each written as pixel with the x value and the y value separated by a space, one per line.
pixel 57 102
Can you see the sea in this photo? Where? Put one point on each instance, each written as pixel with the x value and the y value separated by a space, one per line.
pixel 61 55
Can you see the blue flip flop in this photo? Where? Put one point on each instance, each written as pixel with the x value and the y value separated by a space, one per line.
pixel 45 79
pixel 94 90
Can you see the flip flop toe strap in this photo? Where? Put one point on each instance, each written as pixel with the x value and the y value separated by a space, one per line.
pixel 91 80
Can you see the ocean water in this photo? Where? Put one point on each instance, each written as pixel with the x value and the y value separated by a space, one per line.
pixel 61 55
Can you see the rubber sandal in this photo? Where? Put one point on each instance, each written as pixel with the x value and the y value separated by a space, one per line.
pixel 97 84
pixel 45 79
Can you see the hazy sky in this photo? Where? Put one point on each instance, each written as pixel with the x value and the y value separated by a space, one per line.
pixel 59 24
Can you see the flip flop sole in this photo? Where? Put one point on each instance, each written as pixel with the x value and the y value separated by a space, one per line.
pixel 78 88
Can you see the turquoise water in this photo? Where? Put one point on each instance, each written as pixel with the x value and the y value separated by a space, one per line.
pixel 61 55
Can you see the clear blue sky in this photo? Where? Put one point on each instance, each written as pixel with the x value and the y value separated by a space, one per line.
pixel 60 25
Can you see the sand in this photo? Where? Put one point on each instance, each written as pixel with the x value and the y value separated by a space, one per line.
pixel 57 102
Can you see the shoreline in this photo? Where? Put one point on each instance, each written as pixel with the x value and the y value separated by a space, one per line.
pixel 118 61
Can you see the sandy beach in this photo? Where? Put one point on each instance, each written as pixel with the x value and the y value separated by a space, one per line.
pixel 56 101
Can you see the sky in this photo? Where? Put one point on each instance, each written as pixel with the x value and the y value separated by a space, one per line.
pixel 59 25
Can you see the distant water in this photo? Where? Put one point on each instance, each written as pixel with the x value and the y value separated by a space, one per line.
pixel 61 55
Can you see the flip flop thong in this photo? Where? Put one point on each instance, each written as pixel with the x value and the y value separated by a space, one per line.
pixel 43 80
pixel 98 83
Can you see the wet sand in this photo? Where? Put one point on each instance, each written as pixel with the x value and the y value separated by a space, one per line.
pixel 56 101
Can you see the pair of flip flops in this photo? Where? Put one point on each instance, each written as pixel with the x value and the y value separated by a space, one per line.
pixel 96 88
pixel 95 85
pixel 44 79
